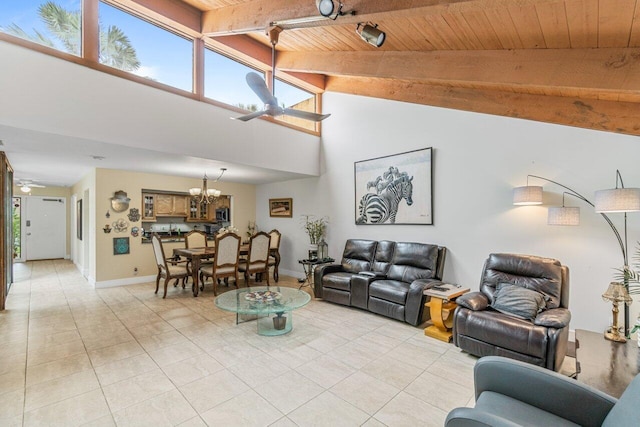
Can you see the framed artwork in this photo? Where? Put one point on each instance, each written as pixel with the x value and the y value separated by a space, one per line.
pixel 120 245
pixel 79 219
pixel 395 189
pixel 282 208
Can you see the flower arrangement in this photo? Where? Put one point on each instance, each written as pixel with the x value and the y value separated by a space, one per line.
pixel 315 228
pixel 229 229
pixel 252 228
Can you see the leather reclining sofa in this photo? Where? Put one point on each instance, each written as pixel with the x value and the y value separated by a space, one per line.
pixel 383 277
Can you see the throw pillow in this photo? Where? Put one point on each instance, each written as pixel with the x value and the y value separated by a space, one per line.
pixel 518 301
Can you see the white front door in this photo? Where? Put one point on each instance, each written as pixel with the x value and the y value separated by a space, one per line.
pixel 45 227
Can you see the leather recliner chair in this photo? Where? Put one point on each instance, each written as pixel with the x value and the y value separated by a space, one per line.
pixel 482 331
pixel 511 393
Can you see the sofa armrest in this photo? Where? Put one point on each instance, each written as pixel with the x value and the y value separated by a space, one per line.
pixel 414 305
pixel 475 301
pixel 472 417
pixel 553 318
pixel 542 388
pixel 320 271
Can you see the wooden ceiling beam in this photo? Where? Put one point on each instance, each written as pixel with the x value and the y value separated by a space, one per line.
pixel 619 117
pixel 612 74
pixel 258 55
pixel 258 15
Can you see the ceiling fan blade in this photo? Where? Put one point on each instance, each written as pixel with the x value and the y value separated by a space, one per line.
pixel 257 84
pixel 250 116
pixel 306 115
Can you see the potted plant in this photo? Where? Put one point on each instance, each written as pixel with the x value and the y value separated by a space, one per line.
pixel 315 228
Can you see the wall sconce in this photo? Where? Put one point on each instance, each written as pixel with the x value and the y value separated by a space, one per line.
pixel 370 33
pixel 565 215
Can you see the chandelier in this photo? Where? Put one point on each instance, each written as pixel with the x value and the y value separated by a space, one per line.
pixel 207 195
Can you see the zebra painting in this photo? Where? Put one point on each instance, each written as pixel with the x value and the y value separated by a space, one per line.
pixel 382 206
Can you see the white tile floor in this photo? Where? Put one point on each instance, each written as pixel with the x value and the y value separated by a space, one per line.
pixel 73 355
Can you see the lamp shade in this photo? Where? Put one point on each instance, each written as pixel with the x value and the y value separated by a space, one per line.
pixel 563 216
pixel 195 191
pixel 618 200
pixel 616 292
pixel 527 195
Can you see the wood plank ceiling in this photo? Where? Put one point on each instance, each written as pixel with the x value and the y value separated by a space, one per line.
pixel 574 62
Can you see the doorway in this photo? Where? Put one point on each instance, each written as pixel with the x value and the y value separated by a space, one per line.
pixel 44 228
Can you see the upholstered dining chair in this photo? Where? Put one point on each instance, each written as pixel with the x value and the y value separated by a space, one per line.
pixel 167 268
pixel 225 261
pixel 258 260
pixel 196 239
pixel 274 252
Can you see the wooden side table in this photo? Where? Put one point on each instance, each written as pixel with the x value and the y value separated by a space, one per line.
pixel 441 306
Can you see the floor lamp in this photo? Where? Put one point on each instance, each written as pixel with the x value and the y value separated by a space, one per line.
pixel 614 200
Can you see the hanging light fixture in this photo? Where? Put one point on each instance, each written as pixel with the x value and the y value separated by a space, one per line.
pixel 370 33
pixel 25 189
pixel 565 215
pixel 527 195
pixel 207 195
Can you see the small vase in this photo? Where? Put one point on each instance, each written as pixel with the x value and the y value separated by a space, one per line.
pixel 313 251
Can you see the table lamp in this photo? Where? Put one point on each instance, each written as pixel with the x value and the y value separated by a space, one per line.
pixel 616 293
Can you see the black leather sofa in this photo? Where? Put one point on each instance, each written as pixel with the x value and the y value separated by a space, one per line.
pixel 383 277
pixel 480 330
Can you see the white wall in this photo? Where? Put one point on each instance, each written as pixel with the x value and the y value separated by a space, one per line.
pixel 478 159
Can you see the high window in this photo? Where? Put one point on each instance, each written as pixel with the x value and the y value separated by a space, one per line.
pixel 132 44
pixel 293 97
pixel 225 81
pixel 54 24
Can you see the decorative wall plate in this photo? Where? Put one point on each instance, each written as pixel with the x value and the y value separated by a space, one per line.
pixel 120 201
pixel 120 226
pixel 135 231
pixel 134 215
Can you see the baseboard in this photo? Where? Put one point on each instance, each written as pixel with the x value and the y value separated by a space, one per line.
pixel 123 282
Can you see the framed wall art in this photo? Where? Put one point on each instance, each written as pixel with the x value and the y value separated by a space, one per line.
pixel 395 189
pixel 282 208
pixel 120 245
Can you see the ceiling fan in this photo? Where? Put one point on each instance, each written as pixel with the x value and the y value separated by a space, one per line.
pixel 259 86
pixel 26 185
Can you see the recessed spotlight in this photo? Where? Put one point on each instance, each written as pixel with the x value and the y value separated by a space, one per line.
pixel 98 157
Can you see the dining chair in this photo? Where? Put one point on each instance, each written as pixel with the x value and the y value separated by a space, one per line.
pixel 196 239
pixel 225 261
pixel 274 252
pixel 258 260
pixel 167 268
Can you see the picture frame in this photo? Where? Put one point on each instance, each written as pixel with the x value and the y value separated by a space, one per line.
pixel 79 219
pixel 395 189
pixel 121 245
pixel 281 208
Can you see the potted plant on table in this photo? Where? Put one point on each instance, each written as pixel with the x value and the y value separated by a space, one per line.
pixel 315 228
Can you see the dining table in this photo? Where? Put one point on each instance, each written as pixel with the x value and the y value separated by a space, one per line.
pixel 196 255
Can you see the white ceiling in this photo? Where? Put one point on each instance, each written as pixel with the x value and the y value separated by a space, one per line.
pixel 56 160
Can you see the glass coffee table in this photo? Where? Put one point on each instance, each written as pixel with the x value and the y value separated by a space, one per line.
pixel 272 306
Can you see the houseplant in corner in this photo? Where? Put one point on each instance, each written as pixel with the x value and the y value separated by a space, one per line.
pixel 315 228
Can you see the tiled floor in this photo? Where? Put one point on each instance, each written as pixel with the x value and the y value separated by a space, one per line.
pixel 73 355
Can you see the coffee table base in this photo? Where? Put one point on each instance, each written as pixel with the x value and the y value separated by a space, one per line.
pixel 275 323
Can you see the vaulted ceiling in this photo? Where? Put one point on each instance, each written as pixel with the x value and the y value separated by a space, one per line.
pixel 574 62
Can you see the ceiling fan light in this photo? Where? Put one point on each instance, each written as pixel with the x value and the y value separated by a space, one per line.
pixel 25 189
pixel 371 34
pixel 325 7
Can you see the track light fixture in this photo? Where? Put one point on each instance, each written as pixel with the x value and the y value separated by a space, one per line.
pixel 327 8
pixel 370 33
